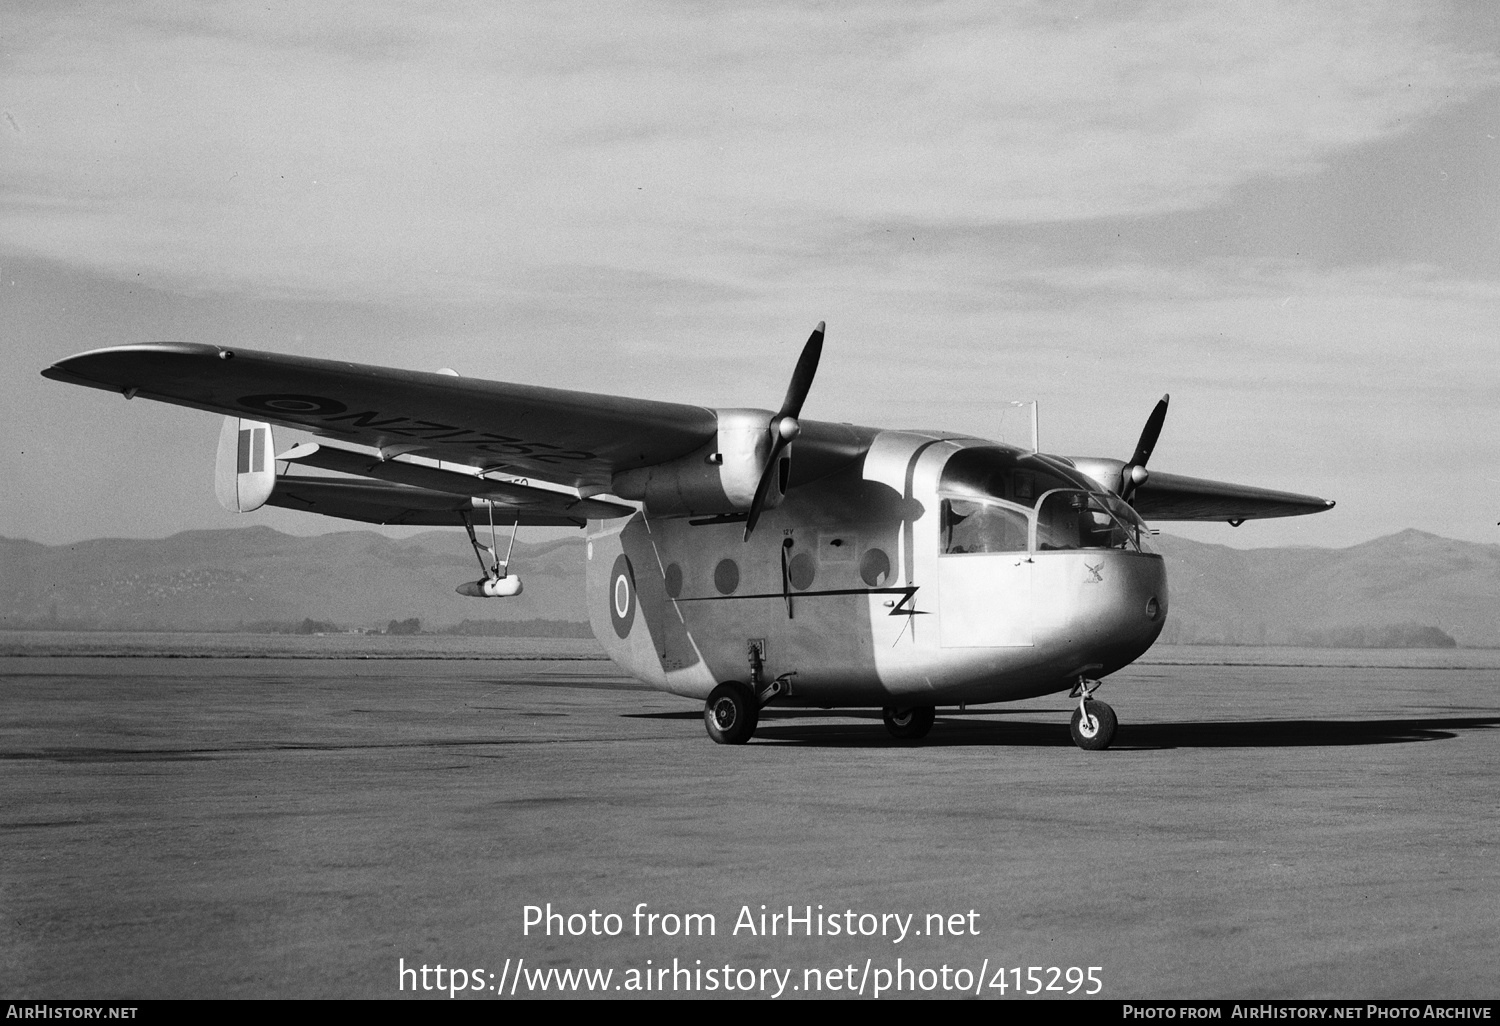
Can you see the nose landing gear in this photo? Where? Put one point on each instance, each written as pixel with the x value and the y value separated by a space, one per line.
pixel 1094 723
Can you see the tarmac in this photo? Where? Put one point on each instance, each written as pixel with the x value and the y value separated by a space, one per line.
pixel 327 828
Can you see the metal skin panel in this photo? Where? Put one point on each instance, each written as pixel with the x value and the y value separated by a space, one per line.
pixel 850 643
pixel 984 600
pixel 639 628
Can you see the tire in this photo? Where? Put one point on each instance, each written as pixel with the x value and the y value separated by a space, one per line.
pixel 730 714
pixel 910 724
pixel 1100 734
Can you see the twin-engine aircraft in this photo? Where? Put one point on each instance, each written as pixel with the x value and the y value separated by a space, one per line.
pixel 735 556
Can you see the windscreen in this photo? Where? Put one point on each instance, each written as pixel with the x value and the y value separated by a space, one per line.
pixel 998 499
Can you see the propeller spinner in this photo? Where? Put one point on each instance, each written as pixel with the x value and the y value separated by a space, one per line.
pixel 784 427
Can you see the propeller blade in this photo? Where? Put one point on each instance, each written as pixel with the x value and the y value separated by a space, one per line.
pixel 764 487
pixel 784 426
pixel 802 377
pixel 1150 433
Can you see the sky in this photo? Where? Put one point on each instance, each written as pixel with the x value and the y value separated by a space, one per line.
pixel 1286 215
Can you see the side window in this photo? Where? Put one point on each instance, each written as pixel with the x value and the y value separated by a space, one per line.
pixel 1069 519
pixel 970 526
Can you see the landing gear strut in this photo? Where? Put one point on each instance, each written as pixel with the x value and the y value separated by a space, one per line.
pixel 1094 723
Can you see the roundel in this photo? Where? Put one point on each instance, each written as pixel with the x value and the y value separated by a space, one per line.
pixel 280 403
pixel 622 596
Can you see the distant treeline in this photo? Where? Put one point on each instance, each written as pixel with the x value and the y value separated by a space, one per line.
pixel 413 625
pixel 410 626
pixel 1399 635
pixel 520 629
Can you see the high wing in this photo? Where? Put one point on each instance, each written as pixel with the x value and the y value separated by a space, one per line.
pixel 1158 496
pixel 576 439
pixel 1174 497
pixel 435 436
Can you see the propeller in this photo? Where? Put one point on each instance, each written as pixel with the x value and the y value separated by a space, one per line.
pixel 784 427
pixel 1133 474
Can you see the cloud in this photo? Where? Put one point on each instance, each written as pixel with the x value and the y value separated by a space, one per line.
pixel 461 152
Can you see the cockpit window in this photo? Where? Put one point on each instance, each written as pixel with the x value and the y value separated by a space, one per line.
pixel 999 499
pixel 1073 519
pixel 973 526
pixel 1010 475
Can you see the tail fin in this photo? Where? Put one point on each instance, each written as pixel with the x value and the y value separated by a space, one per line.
pixel 246 469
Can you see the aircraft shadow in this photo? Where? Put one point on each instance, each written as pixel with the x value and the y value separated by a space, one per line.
pixel 1132 736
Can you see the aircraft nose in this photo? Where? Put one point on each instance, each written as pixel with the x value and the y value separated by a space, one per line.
pixel 1116 602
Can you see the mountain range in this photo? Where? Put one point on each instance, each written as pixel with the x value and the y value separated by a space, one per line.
pixel 1403 590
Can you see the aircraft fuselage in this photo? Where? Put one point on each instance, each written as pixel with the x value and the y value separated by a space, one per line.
pixel 934 571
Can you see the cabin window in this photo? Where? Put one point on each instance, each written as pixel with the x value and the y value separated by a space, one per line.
pixel 801 571
pixel 972 526
pixel 875 568
pixel 726 576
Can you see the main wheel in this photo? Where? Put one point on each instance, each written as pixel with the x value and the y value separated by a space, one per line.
pixel 908 724
pixel 730 713
pixel 1094 732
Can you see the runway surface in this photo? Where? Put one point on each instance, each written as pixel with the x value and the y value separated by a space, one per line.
pixel 297 827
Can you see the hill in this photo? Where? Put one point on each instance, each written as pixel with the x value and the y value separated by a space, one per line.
pixel 242 578
pixel 1409 589
pixel 1404 590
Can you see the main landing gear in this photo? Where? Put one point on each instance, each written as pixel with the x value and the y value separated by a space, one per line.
pixel 910 724
pixel 1094 723
pixel 732 711
pixel 731 714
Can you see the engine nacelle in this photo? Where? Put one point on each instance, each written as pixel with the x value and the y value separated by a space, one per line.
pixel 491 587
pixel 1106 472
pixel 718 478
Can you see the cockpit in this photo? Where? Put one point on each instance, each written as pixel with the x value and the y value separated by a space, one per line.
pixel 1007 500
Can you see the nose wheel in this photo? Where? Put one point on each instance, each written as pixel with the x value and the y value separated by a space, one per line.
pixel 1094 723
pixel 1093 726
